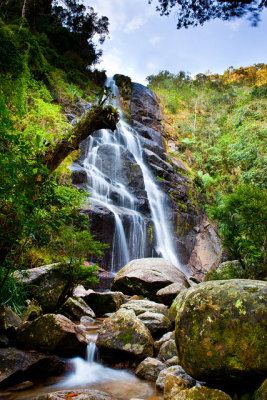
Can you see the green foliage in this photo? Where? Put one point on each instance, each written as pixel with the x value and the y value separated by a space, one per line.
pixel 242 218
pixel 75 246
pixel 218 126
pixel 43 74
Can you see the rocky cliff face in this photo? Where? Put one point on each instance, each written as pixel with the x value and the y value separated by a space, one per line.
pixel 195 240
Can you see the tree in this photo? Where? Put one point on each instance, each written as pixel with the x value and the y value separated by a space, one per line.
pixel 191 12
pixel 242 218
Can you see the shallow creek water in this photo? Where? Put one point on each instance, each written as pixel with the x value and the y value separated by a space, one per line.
pixel 90 374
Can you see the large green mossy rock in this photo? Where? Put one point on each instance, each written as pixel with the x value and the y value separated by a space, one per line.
pixel 54 334
pixel 220 329
pixel 200 393
pixel 123 333
pixel 46 284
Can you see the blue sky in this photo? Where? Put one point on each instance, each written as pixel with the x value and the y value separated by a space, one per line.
pixel 143 43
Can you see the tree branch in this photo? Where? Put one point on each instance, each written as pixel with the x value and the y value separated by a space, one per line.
pixel 97 118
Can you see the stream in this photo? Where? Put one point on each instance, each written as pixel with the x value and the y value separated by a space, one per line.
pixel 89 373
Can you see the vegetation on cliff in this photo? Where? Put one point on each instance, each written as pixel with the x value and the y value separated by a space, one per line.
pixel 216 124
pixel 45 79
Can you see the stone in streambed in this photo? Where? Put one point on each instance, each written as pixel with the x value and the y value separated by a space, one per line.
pixel 83 394
pixel 168 350
pixel 173 385
pixel 149 369
pixel 167 294
pixel 146 276
pixel 76 308
pixel 124 333
pixel 220 330
pixel 142 306
pixel 52 333
pixel 199 393
pixel 102 303
pixel 18 366
pixel 156 323
pixel 9 321
pixel 163 339
pixel 177 371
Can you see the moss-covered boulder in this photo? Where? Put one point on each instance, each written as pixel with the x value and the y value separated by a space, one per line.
pixel 126 335
pixel 52 333
pixel 201 393
pixel 173 385
pixel 148 275
pixel 149 369
pixel 220 329
pixel 46 284
pixel 261 393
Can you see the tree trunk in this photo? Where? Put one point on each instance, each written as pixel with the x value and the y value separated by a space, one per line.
pixel 97 118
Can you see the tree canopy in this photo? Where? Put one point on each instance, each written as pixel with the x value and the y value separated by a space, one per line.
pixel 193 13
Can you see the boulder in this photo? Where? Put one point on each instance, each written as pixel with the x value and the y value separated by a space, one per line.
pixel 168 350
pixel 17 366
pixel 167 294
pixel 163 339
pixel 261 393
pixel 52 333
pixel 75 309
pixel 124 333
pixel 173 385
pixel 46 284
pixel 156 323
pixel 102 303
pixel 172 361
pixel 230 270
pixel 146 276
pixel 142 306
pixel 219 330
pixel 149 369
pixel 9 321
pixel 175 370
pixel 83 394
pixel 201 393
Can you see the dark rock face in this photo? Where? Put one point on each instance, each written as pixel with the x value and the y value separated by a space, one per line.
pixel 219 330
pixel 144 107
pixel 18 366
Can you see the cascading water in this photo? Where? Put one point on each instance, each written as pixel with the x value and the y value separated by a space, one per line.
pixel 105 166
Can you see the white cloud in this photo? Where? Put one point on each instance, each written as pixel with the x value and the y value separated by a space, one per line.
pixel 135 24
pixel 234 25
pixel 155 40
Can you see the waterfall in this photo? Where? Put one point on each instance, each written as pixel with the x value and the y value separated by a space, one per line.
pixel 104 163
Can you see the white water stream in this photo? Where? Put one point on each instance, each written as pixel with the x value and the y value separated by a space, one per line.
pixel 108 189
